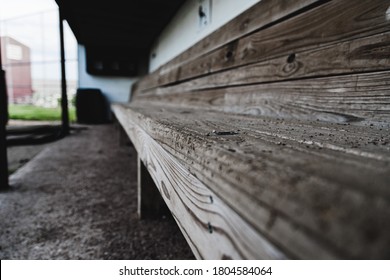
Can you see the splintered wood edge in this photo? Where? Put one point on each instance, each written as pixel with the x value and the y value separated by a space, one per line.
pixel 212 229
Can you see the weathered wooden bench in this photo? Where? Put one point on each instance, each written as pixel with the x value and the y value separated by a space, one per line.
pixel 270 138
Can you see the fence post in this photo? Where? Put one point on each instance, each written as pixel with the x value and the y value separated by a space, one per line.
pixel 64 97
pixel 4 184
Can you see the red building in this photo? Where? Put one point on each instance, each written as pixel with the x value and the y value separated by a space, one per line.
pixel 17 64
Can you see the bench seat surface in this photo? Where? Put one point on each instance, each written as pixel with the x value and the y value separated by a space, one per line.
pixel 300 184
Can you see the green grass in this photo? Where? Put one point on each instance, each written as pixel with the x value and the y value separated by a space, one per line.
pixel 30 112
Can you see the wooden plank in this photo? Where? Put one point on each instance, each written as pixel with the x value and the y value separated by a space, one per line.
pixel 361 55
pixel 266 174
pixel 263 14
pixel 359 98
pixel 367 54
pixel 332 23
pixel 4 183
pixel 150 203
pixel 213 229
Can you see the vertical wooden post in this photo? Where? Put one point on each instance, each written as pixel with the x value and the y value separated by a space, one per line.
pixel 64 97
pixel 150 203
pixel 3 131
pixel 123 138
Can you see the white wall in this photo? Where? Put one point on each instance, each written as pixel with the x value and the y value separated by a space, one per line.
pixel 116 89
pixel 180 34
pixel 183 31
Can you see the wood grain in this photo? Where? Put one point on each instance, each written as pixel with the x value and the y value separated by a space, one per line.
pixel 266 174
pixel 359 98
pixel 332 23
pixel 286 124
pixel 265 13
pixel 367 54
pixel 213 229
pixel 150 203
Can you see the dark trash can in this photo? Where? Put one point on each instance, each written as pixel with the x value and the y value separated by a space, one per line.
pixel 91 106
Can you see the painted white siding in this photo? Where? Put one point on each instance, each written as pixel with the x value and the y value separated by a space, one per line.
pixel 116 89
pixel 184 31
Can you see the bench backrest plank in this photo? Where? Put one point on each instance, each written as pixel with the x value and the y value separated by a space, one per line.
pixel 259 16
pixel 329 58
pixel 328 24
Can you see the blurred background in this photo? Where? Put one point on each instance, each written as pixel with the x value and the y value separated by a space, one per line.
pixel 30 44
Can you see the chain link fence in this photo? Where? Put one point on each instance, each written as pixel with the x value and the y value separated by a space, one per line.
pixel 30 47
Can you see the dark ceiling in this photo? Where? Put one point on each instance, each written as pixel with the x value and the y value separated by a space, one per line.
pixel 133 24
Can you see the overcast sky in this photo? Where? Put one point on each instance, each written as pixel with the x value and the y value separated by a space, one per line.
pixel 15 8
pixel 35 24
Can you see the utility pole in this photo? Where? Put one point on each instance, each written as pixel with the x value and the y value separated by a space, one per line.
pixel 64 97
pixel 4 184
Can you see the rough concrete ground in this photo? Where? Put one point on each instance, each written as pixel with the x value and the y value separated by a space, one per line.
pixel 20 155
pixel 77 200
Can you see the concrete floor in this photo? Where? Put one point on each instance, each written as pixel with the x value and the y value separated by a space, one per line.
pixel 76 199
pixel 20 155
